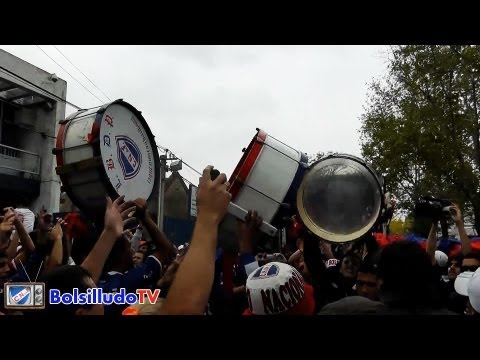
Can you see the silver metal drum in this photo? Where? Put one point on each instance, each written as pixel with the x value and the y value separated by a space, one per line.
pixel 340 198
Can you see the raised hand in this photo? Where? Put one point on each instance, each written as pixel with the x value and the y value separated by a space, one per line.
pixel 128 235
pixel 456 214
pixel 253 221
pixel 126 208
pixel 248 230
pixel 113 216
pixel 45 221
pixel 7 225
pixel 299 244
pixel 57 231
pixel 141 206
pixel 212 196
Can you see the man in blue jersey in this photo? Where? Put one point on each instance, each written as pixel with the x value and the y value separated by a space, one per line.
pixel 119 271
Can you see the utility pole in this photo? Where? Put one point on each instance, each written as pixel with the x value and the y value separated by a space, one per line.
pixel 175 166
pixel 161 190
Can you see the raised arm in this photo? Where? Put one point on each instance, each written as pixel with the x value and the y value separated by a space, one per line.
pixel 11 250
pixel 164 248
pixel 56 256
pixel 135 241
pixel 6 227
pixel 192 285
pixel 113 229
pixel 432 241
pixel 457 219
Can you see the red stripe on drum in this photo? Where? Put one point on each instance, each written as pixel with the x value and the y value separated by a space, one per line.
pixel 244 167
pixel 94 134
pixel 60 144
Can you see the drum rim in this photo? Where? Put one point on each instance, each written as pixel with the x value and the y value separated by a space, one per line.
pixel 326 235
pixel 244 167
pixel 110 189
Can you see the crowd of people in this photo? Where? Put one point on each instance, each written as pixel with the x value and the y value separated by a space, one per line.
pixel 127 250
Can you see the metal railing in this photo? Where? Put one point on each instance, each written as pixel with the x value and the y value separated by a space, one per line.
pixel 19 162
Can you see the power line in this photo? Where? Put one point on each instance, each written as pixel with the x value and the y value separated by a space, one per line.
pixel 101 101
pixel 189 173
pixel 82 73
pixel 188 181
pixel 58 98
pixel 198 172
pixel 165 150
pixel 183 162
pixel 248 186
pixel 162 148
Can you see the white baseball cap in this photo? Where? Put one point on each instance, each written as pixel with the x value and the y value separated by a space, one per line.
pixel 28 219
pixel 441 258
pixel 277 288
pixel 474 290
pixel 461 282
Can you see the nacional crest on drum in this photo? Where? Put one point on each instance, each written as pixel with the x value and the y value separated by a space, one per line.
pixel 129 156
pixel 106 151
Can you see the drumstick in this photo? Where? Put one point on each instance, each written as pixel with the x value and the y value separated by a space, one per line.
pixel 240 213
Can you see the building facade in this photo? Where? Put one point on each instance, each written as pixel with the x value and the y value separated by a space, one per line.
pixel 32 102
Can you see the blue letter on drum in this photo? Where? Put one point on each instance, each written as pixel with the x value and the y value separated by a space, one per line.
pixel 129 156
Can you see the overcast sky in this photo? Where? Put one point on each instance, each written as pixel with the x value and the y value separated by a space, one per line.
pixel 204 102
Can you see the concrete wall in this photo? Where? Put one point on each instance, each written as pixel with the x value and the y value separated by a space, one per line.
pixel 47 122
pixel 40 119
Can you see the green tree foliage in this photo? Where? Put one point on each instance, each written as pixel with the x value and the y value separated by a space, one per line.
pixel 399 226
pixel 421 124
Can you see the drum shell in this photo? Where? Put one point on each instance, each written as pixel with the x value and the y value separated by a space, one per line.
pixel 267 178
pixel 79 159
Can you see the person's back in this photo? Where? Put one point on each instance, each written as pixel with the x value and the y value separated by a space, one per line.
pixel 354 305
pixel 407 280
pixel 120 274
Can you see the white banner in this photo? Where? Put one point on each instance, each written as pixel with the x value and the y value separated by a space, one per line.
pixel 193 200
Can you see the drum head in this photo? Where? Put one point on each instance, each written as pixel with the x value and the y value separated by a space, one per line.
pixel 129 154
pixel 340 198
